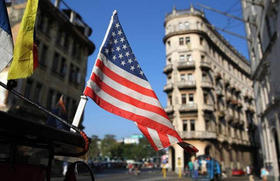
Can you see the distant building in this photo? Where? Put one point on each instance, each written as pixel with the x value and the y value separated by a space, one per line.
pixel 263 29
pixel 63 47
pixel 134 139
pixel 209 90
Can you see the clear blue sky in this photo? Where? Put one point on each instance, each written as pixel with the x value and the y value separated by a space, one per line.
pixel 142 22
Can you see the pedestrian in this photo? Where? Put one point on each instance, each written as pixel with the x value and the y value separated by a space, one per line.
pixel 190 165
pixel 195 169
pixel 264 174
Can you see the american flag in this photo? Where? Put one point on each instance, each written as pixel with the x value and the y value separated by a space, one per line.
pixel 118 85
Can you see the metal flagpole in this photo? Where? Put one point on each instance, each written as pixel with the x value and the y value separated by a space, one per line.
pixel 80 110
pixel 10 89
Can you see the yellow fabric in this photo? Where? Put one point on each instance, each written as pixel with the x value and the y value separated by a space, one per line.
pixel 22 64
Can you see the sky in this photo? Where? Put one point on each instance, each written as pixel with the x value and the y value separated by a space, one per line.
pixel 142 22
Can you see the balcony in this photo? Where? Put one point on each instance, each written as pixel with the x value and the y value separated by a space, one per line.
pixel 205 65
pixel 168 68
pixel 189 107
pixel 169 109
pixel 184 65
pixel 186 84
pixel 208 107
pixel 168 87
pixel 206 84
pixel 198 135
pixel 219 92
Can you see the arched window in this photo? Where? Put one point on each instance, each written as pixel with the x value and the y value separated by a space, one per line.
pixel 187 25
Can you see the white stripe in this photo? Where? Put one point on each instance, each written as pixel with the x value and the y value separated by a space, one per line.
pixel 125 90
pixel 172 139
pixel 124 73
pixel 154 135
pixel 128 107
pixel 6 49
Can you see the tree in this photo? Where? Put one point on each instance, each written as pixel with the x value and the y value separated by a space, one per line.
pixel 107 144
pixel 94 150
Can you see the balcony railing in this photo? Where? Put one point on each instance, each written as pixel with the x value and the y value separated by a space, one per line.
pixel 185 84
pixel 198 134
pixel 205 65
pixel 168 87
pixel 189 107
pixel 206 84
pixel 208 107
pixel 168 68
pixel 185 65
pixel 169 109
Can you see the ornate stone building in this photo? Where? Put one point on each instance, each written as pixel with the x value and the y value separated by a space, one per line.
pixel 263 28
pixel 63 49
pixel 209 90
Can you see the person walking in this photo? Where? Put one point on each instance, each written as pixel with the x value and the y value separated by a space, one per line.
pixel 195 169
pixel 190 166
pixel 264 174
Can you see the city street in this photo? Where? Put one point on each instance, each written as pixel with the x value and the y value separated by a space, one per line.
pixel 145 175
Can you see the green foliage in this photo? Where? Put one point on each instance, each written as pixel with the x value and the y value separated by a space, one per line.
pixel 109 147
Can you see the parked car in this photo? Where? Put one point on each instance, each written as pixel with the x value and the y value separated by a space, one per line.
pixel 237 172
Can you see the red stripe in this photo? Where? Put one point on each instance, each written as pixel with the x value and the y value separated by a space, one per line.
pixel 35 56
pixel 131 116
pixel 144 130
pixel 125 98
pixel 164 140
pixel 127 83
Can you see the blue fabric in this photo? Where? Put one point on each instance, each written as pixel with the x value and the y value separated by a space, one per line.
pixel 117 50
pixel 4 20
pixel 52 121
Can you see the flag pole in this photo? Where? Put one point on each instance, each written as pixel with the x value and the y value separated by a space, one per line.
pixel 80 110
pixel 10 89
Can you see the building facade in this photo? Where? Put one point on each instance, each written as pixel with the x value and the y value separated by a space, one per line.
pixel 263 30
pixel 63 49
pixel 209 90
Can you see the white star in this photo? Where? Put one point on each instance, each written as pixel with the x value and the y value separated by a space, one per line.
pixel 124 47
pixel 138 66
pixel 118 49
pixel 123 63
pixel 117 25
pixel 129 60
pixel 114 57
pixel 106 51
pixel 120 56
pixel 122 39
pixel 115 41
pixel 132 68
pixel 111 42
pixel 112 49
pixel 141 73
pixel 113 34
pixel 119 32
pixel 127 54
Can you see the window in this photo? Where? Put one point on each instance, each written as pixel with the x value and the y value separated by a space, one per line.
pixel 201 40
pixel 62 69
pixel 187 25
pixel 190 76
pixel 181 26
pixel 170 100
pixel 189 57
pixel 51 99
pixel 205 98
pixel 185 125
pixel 37 92
pixel 184 98
pixel 169 60
pixel 168 43
pixel 55 62
pixel 192 125
pixel 181 41
pixel 182 57
pixel 202 57
pixel 188 40
pixel 191 98
pixel 182 76
pixel 43 56
pixel 28 88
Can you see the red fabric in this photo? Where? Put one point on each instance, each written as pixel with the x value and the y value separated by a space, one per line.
pixel 35 56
